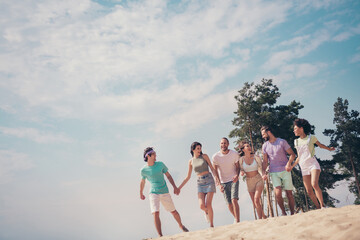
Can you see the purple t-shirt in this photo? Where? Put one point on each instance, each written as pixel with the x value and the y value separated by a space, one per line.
pixel 276 152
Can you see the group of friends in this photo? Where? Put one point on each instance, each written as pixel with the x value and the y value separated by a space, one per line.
pixel 228 165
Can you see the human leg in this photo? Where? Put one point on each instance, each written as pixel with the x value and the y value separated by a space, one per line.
pixel 210 212
pixel 257 200
pixel 157 223
pixel 309 190
pixel 227 196
pixel 280 200
pixel 154 200
pixel 177 217
pixel 201 198
pixel 315 174
pixel 276 181
pixel 291 200
pixel 234 200
pixel 288 187
pixel 168 204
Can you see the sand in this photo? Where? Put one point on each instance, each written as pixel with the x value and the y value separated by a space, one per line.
pixel 330 223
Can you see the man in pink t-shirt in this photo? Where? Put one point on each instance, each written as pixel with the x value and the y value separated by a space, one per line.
pixel 226 163
pixel 275 152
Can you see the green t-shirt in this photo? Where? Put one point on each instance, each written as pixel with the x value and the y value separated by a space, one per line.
pixel 155 175
pixel 304 141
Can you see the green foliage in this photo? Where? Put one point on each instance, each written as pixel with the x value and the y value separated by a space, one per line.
pixel 257 107
pixel 346 138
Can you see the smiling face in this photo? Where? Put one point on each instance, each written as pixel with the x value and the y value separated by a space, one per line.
pixel 152 157
pixel 265 135
pixel 224 145
pixel 247 148
pixel 298 131
pixel 197 151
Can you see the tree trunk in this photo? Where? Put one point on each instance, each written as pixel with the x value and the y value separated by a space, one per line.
pixel 269 199
pixel 276 207
pixel 354 172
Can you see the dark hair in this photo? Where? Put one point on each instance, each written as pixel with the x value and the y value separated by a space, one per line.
pixel 193 146
pixel 226 139
pixel 148 149
pixel 241 147
pixel 266 128
pixel 303 123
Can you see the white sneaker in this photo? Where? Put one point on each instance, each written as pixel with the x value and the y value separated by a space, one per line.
pixel 207 218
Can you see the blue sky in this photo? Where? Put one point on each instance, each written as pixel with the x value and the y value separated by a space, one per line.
pixel 86 85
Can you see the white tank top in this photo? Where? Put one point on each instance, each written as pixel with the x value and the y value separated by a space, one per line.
pixel 251 167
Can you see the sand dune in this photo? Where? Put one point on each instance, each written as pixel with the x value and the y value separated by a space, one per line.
pixel 330 223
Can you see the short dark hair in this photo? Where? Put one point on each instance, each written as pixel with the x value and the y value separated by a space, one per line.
pixel 266 128
pixel 193 146
pixel 148 149
pixel 225 139
pixel 303 123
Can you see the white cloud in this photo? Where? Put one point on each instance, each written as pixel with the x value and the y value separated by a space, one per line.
pixel 197 114
pixel 74 56
pixel 347 34
pixel 35 135
pixel 299 72
pixel 10 162
pixel 355 58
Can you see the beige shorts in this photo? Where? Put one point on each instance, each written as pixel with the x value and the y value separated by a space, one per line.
pixel 254 183
pixel 165 200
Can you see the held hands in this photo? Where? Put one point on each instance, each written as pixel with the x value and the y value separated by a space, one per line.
pixel 331 149
pixel 288 167
pixel 142 197
pixel 221 188
pixel 265 177
pixel 176 191
pixel 217 181
pixel 242 173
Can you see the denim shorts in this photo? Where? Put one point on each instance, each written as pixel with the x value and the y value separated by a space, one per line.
pixel 206 183
pixel 231 190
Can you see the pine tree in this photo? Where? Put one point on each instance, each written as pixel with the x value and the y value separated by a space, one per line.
pixel 346 138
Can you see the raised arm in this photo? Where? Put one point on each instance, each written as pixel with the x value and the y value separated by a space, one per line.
pixel 188 175
pixel 171 180
pixel 324 147
pixel 216 175
pixel 142 185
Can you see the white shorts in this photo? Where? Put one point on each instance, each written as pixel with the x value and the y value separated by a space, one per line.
pixel 165 200
pixel 308 165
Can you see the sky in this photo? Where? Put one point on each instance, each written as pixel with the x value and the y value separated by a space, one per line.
pixel 86 86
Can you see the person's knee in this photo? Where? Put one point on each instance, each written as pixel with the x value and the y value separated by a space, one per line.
pixel 174 212
pixel 278 194
pixel 257 201
pixel 315 184
pixel 310 192
pixel 202 206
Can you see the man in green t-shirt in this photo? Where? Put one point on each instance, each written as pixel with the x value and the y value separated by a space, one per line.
pixel 154 172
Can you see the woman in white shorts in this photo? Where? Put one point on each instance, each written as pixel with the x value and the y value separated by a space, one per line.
pixel 251 165
pixel 205 183
pixel 310 168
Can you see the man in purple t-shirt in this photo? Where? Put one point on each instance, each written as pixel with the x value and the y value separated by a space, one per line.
pixel 274 153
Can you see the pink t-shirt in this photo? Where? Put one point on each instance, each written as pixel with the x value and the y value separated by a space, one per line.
pixel 276 152
pixel 226 165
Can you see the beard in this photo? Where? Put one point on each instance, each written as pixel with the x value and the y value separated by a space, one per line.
pixel 266 138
